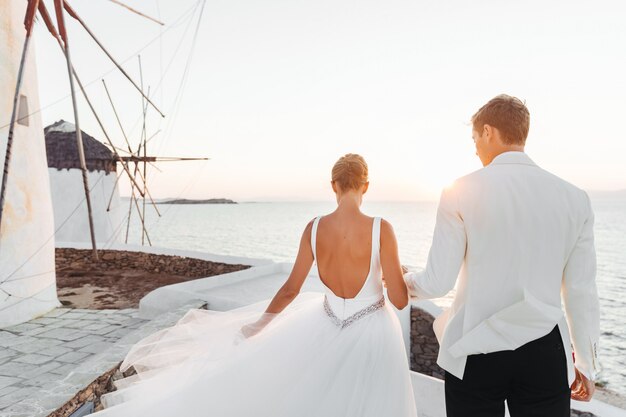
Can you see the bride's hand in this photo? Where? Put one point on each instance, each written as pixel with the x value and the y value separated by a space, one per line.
pixel 250 329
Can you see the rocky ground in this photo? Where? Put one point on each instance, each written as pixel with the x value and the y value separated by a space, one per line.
pixel 121 278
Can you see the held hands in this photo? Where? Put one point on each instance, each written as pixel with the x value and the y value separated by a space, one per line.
pixel 582 388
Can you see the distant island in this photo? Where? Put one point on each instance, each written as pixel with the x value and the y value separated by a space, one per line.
pixel 208 201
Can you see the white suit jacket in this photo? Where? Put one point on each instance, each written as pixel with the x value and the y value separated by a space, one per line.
pixel 519 240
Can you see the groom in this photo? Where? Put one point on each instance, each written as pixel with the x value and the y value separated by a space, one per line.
pixel 518 238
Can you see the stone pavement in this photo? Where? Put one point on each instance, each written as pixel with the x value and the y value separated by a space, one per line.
pixel 46 349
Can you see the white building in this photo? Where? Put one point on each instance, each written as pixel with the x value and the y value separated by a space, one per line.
pixel 68 193
pixel 27 267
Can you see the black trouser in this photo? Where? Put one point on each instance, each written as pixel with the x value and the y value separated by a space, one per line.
pixel 532 379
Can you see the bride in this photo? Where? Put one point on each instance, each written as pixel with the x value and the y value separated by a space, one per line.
pixel 339 353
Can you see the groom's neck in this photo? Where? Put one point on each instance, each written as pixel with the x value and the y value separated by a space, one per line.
pixel 502 149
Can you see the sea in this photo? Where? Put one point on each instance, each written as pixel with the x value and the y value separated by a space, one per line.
pixel 272 230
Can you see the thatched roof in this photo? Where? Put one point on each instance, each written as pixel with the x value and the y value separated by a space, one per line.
pixel 62 149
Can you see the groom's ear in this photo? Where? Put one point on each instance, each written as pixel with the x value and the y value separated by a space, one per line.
pixel 488 132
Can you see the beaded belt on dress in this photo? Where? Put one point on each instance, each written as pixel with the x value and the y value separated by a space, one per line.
pixel 359 314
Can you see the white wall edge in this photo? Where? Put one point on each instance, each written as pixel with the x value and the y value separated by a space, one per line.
pixel 157 250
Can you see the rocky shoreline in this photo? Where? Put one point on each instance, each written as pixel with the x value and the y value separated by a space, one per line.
pixel 121 278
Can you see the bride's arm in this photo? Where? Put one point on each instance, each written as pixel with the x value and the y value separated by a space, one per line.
pixel 392 269
pixel 291 288
pixel 302 266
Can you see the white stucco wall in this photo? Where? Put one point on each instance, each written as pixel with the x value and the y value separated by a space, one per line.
pixel 27 275
pixel 70 207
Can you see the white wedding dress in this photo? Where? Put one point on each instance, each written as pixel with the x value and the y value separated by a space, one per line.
pixel 323 356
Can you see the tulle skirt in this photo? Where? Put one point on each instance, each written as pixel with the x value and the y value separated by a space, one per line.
pixel 301 364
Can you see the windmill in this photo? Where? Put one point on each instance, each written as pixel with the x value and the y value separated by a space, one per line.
pixel 27 277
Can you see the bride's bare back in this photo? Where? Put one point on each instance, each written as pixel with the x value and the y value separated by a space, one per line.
pixel 344 246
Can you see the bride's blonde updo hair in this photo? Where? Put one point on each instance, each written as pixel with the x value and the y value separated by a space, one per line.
pixel 350 172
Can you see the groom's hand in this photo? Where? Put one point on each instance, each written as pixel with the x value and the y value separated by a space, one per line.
pixel 582 388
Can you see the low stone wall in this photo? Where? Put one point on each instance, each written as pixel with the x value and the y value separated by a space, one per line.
pixel 424 345
pixel 141 261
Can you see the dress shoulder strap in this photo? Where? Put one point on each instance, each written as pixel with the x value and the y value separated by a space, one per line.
pixel 376 235
pixel 314 237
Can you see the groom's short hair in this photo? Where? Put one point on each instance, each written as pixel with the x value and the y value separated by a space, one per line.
pixel 507 114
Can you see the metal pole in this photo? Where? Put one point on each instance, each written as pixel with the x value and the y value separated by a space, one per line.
pixel 143 134
pixel 137 12
pixel 79 139
pixel 143 224
pixel 117 180
pixel 130 208
pixel 119 122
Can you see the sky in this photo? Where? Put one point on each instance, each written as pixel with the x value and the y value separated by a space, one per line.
pixel 275 91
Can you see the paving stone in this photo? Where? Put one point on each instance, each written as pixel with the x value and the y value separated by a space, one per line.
pixel 7 354
pixel 46 378
pixel 82 310
pixel 134 322
pixel 107 311
pixel 84 341
pixel 73 357
pixel 6 359
pixel 96 347
pixel 15 396
pixel 93 315
pixel 54 351
pixel 33 358
pixel 5 381
pixel 119 333
pixel 78 324
pixel 15 369
pixel 106 330
pixel 39 330
pixel 37 345
pixel 8 339
pixel 57 312
pixel 62 333
pixel 23 327
pixel 43 320
pixel 73 315
pixel 64 369
pixel 9 389
pixel 95 326
pixel 42 369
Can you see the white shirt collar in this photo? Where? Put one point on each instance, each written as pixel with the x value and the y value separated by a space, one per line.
pixel 512 157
